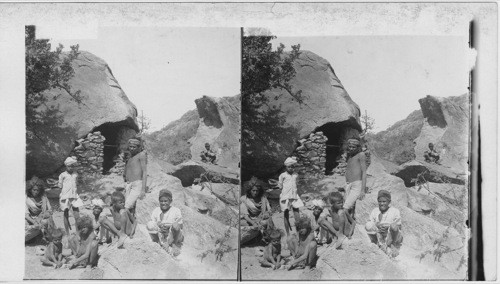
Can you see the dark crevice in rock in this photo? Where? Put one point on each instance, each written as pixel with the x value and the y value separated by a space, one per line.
pixel 113 131
pixel 208 111
pixel 409 173
pixel 335 132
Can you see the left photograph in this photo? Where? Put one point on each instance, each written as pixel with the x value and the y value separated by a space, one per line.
pixel 132 153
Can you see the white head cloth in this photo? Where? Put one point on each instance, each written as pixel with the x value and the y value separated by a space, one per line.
pixel 97 202
pixel 318 203
pixel 70 161
pixel 290 161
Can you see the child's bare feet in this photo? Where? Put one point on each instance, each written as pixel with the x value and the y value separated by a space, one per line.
pixel 121 241
pixel 339 242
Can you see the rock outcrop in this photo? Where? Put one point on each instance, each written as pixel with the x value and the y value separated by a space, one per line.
pixel 102 102
pixel 441 121
pixel 323 104
pixel 427 172
pixel 216 121
pixel 447 126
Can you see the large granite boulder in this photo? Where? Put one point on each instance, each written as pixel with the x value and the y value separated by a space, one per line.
pixel 271 133
pixel 215 121
pixel 447 126
pixel 103 102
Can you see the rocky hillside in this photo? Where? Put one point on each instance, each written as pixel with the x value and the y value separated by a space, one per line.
pixel 323 105
pixel 215 121
pixel 441 121
pixel 396 144
pixel 104 106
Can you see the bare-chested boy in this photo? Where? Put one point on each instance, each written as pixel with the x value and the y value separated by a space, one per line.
pixel 135 176
pixel 102 225
pixel 303 247
pixel 53 253
pixel 272 252
pixel 122 220
pixel 83 245
pixel 355 175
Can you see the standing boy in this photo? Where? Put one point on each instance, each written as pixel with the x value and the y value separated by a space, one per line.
pixel 69 198
pixel 289 199
pixel 135 176
pixel 384 225
pixel 355 175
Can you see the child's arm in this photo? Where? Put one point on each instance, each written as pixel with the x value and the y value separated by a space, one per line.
pixel 302 257
pixel 280 182
pixel 87 251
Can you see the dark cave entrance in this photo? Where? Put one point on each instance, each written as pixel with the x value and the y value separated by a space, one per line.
pixel 336 132
pixel 111 145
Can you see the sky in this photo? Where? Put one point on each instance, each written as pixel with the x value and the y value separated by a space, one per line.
pixel 386 75
pixel 163 70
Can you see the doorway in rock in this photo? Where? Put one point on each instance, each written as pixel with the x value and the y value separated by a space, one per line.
pixel 335 132
pixel 110 132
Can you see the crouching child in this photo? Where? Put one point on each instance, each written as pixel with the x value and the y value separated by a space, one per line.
pixel 165 226
pixel 303 247
pixel 272 252
pixel 83 245
pixel 53 252
pixel 384 225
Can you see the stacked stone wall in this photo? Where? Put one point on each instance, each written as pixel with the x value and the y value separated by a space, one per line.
pixel 89 153
pixel 311 157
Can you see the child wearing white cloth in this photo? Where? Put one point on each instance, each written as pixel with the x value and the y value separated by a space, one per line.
pixel 69 199
pixel 289 199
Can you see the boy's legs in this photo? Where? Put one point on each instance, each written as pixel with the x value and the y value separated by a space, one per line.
pixel 76 213
pixel 311 250
pixel 293 244
pixel 296 217
pixel 93 257
pixel 371 230
pixel 67 225
pixel 176 233
pixel 333 228
pixel 108 226
pixel 73 244
pixel 287 221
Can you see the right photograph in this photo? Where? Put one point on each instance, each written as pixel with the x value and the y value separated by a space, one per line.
pixel 354 157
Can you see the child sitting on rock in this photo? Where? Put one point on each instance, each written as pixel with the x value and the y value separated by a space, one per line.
pixel 272 252
pixel 342 222
pixel 289 199
pixel 53 252
pixel 302 246
pixel 83 245
pixel 384 225
pixel 165 226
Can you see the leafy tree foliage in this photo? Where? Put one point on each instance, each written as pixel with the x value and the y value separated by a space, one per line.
pixel 45 70
pixel 263 69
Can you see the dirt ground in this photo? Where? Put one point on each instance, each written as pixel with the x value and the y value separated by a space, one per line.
pixel 139 259
pixel 357 259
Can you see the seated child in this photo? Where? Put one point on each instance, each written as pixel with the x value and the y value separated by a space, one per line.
pixel 102 225
pixel 384 225
pixel 53 253
pixel 122 218
pixel 207 155
pixel 302 247
pixel 272 252
pixel 84 246
pixel 165 226
pixel 343 222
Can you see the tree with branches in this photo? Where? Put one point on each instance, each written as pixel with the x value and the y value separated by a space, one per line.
pixel 46 70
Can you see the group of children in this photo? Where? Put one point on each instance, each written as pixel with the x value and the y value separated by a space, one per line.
pixel 335 222
pixel 165 226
